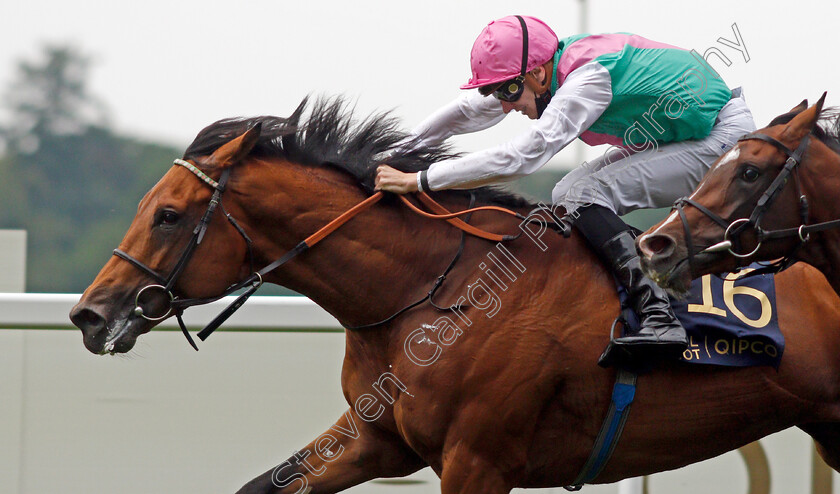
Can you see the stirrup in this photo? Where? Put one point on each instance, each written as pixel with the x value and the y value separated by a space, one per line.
pixel 630 356
pixel 615 354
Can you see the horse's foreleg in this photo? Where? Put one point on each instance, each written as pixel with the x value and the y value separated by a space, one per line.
pixel 467 473
pixel 827 437
pixel 347 454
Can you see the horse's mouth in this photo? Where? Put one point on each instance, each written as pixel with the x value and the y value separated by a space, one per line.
pixel 106 336
pixel 123 334
pixel 676 280
pixel 118 340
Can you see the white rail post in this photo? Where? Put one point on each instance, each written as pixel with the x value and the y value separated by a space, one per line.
pixel 12 280
pixel 635 485
pixel 12 261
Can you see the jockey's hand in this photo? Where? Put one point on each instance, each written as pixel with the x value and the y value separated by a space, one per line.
pixel 391 180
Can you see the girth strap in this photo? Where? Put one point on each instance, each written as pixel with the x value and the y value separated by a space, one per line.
pixel 624 391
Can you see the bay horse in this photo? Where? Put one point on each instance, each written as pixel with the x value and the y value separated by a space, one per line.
pixel 493 382
pixel 774 194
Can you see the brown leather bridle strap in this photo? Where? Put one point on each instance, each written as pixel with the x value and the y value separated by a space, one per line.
pixel 344 218
pixel 435 206
pixel 441 213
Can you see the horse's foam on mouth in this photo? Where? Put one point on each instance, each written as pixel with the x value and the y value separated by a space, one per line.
pixel 668 280
pixel 120 329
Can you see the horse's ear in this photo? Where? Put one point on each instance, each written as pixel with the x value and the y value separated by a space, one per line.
pixel 800 107
pixel 235 150
pixel 803 124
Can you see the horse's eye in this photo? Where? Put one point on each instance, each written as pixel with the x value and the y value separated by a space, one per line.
pixel 168 217
pixel 750 174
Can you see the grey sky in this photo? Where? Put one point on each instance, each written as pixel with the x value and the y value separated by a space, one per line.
pixel 168 68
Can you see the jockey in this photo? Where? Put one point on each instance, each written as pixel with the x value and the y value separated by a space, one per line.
pixel 666 114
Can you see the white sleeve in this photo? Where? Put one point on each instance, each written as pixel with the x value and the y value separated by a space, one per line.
pixel 470 112
pixel 578 103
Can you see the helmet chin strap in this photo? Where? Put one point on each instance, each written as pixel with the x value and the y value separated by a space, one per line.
pixel 541 102
pixel 541 91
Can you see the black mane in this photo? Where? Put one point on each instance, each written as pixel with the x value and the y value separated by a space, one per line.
pixel 331 136
pixel 827 129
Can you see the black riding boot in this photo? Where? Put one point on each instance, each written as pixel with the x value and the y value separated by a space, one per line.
pixel 661 334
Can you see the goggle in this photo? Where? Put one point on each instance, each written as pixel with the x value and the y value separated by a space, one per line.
pixel 511 90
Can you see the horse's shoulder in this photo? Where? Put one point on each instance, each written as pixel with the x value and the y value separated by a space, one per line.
pixel 807 287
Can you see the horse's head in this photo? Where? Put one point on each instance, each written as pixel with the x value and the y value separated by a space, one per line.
pixel 175 247
pixel 753 188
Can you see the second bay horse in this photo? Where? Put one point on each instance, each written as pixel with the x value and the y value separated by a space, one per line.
pixel 774 194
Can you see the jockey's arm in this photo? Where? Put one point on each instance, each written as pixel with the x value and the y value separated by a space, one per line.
pixel 578 103
pixel 468 113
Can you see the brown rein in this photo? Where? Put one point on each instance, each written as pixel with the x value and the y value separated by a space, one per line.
pixel 441 213
pixel 452 218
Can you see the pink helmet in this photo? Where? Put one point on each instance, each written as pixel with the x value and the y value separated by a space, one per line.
pixel 496 55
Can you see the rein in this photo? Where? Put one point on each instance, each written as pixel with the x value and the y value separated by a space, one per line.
pixel 733 229
pixel 452 218
pixel 255 280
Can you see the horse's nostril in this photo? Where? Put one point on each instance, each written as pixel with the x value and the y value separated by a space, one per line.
pixel 93 326
pixel 656 245
pixel 87 320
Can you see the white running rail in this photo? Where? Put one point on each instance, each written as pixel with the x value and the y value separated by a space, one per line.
pixel 51 311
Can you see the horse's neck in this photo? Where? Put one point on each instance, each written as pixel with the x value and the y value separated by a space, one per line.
pixel 370 267
pixel 374 265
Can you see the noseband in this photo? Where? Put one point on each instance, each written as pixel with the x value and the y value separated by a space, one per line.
pixel 734 228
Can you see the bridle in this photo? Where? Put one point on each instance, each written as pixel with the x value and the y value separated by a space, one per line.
pixel 165 284
pixel 177 305
pixel 734 228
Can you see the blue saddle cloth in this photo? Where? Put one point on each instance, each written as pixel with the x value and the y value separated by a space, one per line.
pixel 730 320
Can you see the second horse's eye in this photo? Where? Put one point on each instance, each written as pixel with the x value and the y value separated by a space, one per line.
pixel 168 217
pixel 750 174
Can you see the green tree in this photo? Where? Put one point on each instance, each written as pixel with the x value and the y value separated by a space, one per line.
pixel 68 179
pixel 49 97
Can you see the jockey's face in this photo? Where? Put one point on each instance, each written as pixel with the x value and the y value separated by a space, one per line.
pixel 526 104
